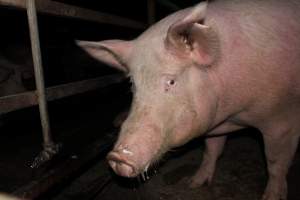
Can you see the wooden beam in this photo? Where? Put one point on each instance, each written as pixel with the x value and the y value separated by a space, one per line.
pixel 65 10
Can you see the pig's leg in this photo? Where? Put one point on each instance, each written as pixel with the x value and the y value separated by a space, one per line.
pixel 279 149
pixel 213 149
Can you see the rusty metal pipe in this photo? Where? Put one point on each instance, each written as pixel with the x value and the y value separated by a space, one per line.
pixel 38 70
pixel 49 147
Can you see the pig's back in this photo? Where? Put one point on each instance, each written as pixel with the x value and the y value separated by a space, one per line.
pixel 260 45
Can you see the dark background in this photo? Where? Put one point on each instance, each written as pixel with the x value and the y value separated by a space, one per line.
pixel 79 120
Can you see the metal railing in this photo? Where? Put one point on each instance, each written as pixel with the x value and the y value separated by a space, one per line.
pixel 42 94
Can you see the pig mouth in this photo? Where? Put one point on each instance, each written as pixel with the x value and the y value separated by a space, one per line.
pixel 121 165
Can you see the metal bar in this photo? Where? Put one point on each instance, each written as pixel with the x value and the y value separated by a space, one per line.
pixel 17 101
pixel 69 89
pixel 27 99
pixel 61 9
pixel 151 11
pixel 59 175
pixel 38 71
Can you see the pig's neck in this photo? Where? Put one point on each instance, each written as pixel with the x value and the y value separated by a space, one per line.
pixel 235 91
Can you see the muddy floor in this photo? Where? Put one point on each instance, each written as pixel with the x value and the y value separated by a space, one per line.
pixel 240 173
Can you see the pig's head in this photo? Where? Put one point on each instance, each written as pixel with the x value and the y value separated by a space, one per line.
pixel 174 97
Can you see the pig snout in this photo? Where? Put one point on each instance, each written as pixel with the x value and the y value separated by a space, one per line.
pixel 120 163
pixel 133 156
pixel 136 148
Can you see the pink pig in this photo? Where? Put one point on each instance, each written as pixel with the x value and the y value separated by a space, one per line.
pixel 208 70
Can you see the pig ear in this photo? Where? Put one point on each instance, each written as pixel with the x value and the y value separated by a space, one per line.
pixel 112 52
pixel 189 37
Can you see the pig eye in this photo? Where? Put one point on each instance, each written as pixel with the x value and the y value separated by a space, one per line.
pixel 171 82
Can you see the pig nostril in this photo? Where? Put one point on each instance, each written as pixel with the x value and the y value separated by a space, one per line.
pixel 120 165
pixel 125 170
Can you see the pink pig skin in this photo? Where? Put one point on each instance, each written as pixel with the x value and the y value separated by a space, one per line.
pixel 211 69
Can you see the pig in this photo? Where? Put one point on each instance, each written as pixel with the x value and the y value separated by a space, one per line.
pixel 208 70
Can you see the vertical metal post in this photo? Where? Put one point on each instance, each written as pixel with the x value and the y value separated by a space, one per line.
pixel 49 147
pixel 151 11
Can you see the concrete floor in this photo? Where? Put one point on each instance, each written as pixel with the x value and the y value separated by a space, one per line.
pixel 240 175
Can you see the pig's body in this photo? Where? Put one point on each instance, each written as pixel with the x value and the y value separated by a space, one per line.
pixel 211 70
